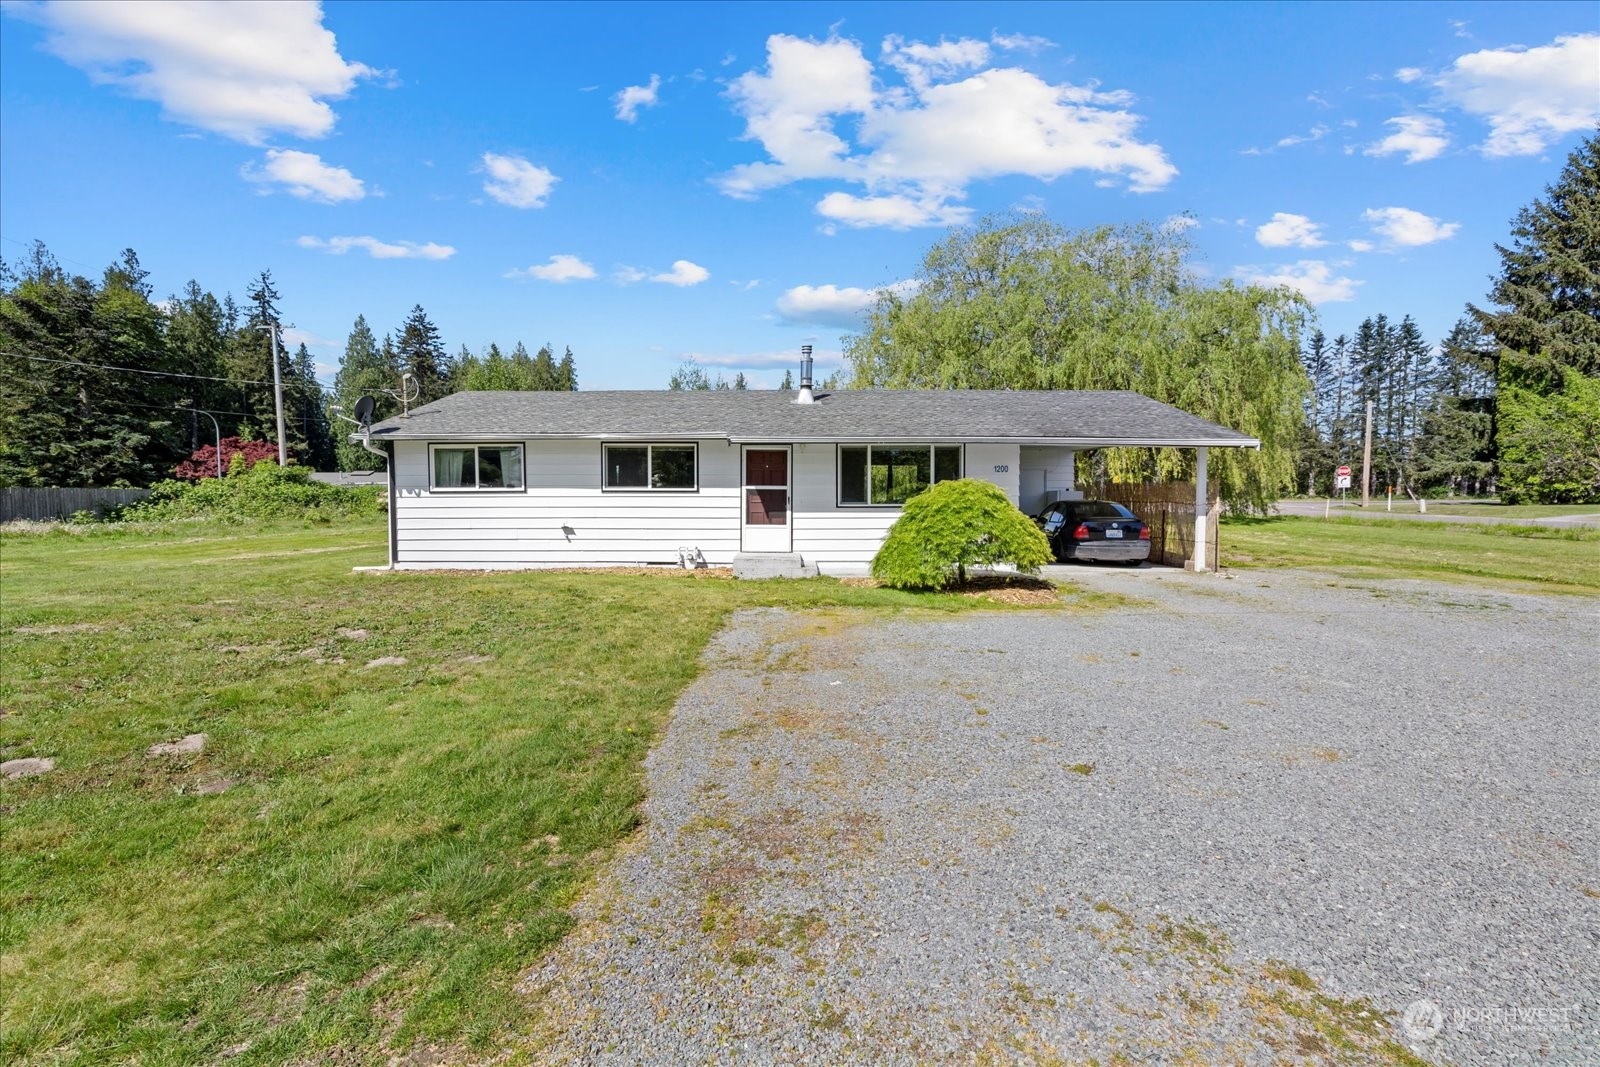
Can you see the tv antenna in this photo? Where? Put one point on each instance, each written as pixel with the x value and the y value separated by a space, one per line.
pixel 405 395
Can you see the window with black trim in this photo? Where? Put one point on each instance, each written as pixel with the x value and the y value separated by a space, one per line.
pixel 889 475
pixel 473 467
pixel 672 467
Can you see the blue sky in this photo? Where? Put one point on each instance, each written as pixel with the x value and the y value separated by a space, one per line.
pixel 652 182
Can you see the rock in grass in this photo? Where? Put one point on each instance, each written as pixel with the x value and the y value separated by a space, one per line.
pixel 387 661
pixel 209 789
pixel 27 767
pixel 350 633
pixel 185 745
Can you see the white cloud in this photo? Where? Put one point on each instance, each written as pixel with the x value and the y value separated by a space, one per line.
pixel 1180 223
pixel 832 305
pixel 305 175
pixel 1312 278
pixel 921 63
pixel 820 115
pixel 515 182
pixel 560 268
pixel 1316 133
pixel 338 246
pixel 1419 137
pixel 294 338
pixel 1530 97
pixel 682 274
pixel 895 212
pixel 626 275
pixel 1408 74
pixel 1360 246
pixel 244 70
pixel 634 97
pixel 1021 42
pixel 1407 228
pixel 1289 231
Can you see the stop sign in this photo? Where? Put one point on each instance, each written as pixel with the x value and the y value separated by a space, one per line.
pixel 1343 472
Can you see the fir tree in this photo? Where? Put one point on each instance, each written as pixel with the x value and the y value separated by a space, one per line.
pixel 1546 329
pixel 567 372
pixel 421 352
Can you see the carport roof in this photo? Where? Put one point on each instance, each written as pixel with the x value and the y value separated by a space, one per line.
pixel 1083 419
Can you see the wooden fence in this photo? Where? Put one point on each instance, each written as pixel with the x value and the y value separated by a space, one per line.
pixel 1168 509
pixel 42 505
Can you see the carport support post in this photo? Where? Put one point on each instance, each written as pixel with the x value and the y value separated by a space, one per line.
pixel 1199 509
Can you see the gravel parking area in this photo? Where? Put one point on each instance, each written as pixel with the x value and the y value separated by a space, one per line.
pixel 1220 820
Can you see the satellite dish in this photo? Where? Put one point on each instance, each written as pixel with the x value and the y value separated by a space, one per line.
pixel 364 408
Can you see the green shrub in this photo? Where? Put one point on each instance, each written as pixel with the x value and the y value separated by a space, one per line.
pixel 264 491
pixel 952 526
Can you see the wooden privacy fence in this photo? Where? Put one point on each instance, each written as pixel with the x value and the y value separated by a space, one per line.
pixel 41 505
pixel 1168 509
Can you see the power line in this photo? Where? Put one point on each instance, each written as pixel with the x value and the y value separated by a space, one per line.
pixel 136 370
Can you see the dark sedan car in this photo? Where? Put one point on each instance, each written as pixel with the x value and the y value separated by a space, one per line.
pixel 1095 530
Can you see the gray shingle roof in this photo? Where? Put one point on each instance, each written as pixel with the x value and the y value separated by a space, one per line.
pixel 1086 419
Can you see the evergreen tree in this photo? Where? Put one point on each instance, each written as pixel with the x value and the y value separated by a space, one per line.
pixel 545 376
pixel 66 420
pixel 1545 324
pixel 421 352
pixel 567 372
pixel 197 341
pixel 1455 446
pixel 363 371
pixel 306 404
pixel 690 375
pixel 249 357
pixel 739 383
pixel 788 380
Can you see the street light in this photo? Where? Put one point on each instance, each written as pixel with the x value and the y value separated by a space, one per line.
pixel 277 392
pixel 214 423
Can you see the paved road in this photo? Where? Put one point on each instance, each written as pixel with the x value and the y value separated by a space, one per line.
pixel 1376 511
pixel 1241 821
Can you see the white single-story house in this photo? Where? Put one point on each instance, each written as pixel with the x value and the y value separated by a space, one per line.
pixel 799 482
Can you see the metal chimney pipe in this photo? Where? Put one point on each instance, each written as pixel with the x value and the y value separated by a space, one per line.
pixel 804 396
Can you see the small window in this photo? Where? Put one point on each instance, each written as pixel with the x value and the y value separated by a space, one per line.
pixel 889 475
pixel 651 467
pixel 477 467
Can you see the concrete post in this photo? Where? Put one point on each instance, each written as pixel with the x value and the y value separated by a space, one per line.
pixel 1200 509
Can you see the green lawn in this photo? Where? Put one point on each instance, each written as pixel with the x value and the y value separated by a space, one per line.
pixel 1487 509
pixel 397 842
pixel 1530 558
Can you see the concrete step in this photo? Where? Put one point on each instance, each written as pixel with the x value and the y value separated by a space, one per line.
pixel 772 565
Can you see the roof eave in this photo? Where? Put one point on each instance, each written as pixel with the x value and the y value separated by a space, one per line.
pixel 742 439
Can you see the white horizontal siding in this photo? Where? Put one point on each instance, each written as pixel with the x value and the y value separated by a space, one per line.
pixel 563 519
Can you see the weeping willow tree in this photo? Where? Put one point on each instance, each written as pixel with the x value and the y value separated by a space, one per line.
pixel 1022 303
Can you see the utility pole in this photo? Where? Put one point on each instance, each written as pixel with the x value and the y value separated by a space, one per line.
pixel 277 392
pixel 1366 459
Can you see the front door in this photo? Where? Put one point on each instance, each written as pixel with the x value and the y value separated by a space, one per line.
pixel 764 513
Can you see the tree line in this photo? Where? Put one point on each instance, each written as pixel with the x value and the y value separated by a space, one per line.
pixel 101 384
pixel 1432 409
pixel 1508 401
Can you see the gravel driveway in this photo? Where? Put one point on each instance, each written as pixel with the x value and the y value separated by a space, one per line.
pixel 1234 820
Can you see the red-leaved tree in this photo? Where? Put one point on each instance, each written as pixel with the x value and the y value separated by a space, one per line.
pixel 203 464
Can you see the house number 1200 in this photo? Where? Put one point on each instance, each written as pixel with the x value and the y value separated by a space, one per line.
pixel 1002 468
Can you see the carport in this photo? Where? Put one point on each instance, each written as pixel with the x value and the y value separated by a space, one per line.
pixel 1049 473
